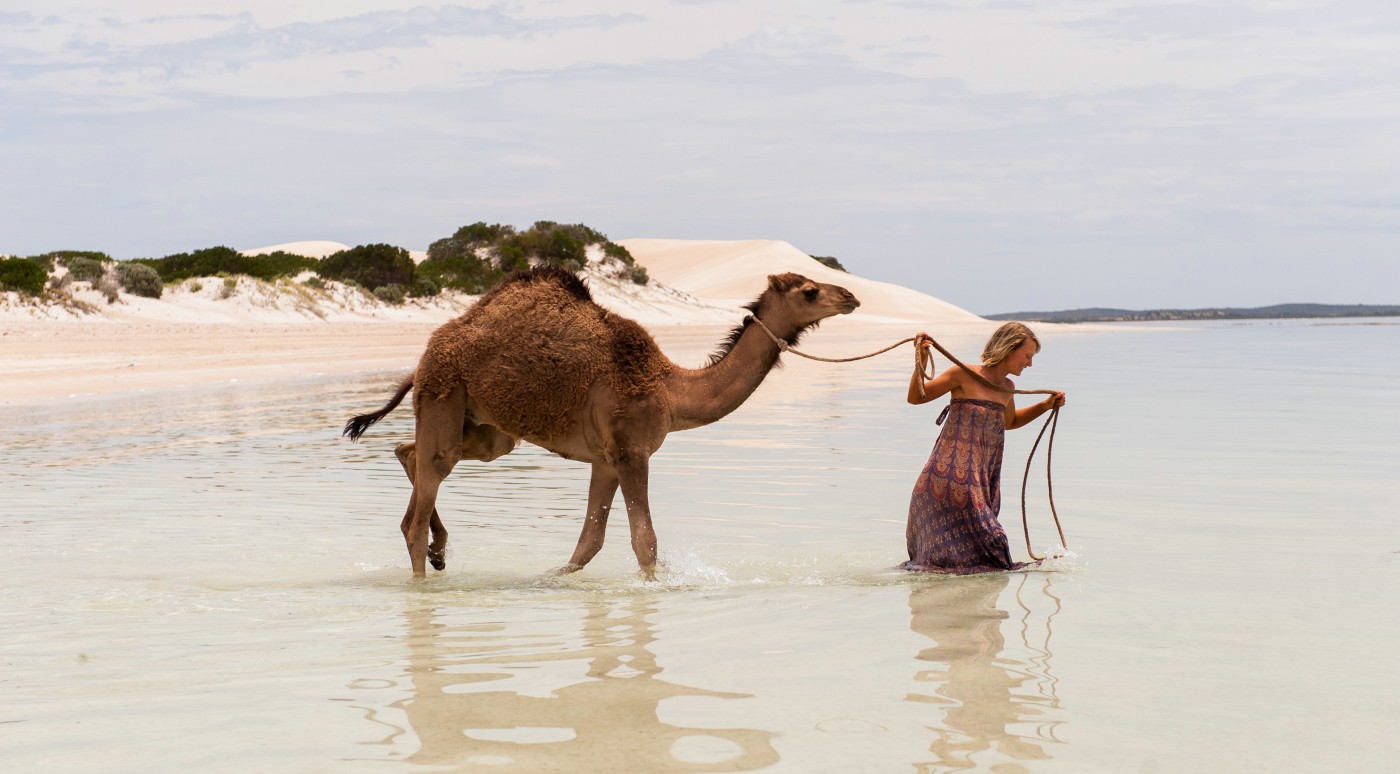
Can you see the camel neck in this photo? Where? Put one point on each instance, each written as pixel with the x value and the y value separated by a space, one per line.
pixel 705 395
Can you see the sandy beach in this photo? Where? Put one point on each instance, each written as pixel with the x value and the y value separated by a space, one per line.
pixel 192 337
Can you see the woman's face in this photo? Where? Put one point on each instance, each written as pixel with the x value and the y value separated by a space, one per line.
pixel 1020 358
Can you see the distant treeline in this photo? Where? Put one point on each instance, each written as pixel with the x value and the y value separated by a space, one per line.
pixel 472 260
pixel 1278 311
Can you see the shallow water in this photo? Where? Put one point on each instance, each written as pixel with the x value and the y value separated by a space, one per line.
pixel 214 579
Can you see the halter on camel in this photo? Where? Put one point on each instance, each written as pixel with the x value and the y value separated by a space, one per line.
pixel 921 367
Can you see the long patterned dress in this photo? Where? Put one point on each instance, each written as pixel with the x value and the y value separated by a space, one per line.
pixel 953 526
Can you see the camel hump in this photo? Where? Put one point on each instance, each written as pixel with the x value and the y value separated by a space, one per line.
pixel 555 275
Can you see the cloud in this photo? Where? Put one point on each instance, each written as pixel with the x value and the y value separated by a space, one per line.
pixel 948 148
pixel 217 53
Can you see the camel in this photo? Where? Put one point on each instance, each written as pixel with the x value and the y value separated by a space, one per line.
pixel 537 359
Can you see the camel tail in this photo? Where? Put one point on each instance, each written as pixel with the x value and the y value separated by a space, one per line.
pixel 357 426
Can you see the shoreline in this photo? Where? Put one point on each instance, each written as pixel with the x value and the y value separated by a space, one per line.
pixel 45 362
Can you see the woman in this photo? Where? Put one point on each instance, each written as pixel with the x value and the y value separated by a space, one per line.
pixel 953 526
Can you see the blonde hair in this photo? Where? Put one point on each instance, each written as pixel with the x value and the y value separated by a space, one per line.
pixel 1005 341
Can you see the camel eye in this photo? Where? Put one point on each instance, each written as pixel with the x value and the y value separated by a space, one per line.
pixel 810 293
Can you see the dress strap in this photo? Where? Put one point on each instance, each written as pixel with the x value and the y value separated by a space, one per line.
pixel 944 414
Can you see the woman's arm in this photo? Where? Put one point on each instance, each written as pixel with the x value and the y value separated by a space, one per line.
pixel 1021 417
pixel 936 387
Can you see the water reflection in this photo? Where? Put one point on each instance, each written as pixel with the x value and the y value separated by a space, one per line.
pixel 999 702
pixel 513 700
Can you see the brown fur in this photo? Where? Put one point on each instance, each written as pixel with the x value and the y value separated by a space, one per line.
pixel 537 359
pixel 529 351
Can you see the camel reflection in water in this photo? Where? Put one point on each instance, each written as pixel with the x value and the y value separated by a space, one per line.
pixel 607 719
pixel 998 708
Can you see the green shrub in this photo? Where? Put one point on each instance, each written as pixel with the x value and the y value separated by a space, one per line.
pixel 315 281
pixel 22 274
pixel 460 271
pixel 829 262
pixel 230 285
pixel 372 266
pixel 476 257
pixel 390 294
pixel 619 252
pixel 480 233
pixel 140 279
pixel 213 261
pixel 84 269
pixel 639 275
pixel 512 255
pixel 424 287
pixel 56 258
pixel 279 264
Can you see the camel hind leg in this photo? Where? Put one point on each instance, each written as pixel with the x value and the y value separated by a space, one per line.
pixel 479 442
pixel 438 546
pixel 633 470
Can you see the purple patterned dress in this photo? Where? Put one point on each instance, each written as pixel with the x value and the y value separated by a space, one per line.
pixel 953 526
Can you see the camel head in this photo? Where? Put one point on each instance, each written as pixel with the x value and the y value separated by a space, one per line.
pixel 794 303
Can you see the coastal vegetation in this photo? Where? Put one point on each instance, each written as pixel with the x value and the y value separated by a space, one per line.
pixel 829 262
pixel 53 272
pixel 475 257
pixel 22 274
pixel 472 260
pixel 216 261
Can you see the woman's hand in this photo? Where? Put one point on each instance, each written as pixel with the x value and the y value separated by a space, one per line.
pixel 1055 401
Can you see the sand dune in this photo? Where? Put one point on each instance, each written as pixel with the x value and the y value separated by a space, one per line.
pixel 732 273
pixel 310 249
pixel 317 248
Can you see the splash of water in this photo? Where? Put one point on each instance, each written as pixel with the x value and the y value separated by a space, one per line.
pixel 1059 559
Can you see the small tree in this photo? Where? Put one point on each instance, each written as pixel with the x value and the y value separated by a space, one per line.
pixel 475 257
pixel 372 266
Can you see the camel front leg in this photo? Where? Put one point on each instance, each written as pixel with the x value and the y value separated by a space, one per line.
pixel 632 471
pixel 602 487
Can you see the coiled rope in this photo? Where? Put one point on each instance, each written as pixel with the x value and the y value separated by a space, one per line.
pixel 922 365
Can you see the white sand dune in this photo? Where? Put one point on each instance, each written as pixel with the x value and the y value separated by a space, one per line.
pixel 732 273
pixel 310 249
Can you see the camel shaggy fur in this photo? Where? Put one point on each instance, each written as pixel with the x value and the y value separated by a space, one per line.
pixel 536 358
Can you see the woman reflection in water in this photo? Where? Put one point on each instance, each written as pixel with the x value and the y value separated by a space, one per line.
pixel 953 526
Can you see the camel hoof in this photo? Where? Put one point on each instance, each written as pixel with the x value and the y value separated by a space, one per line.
pixel 567 569
pixel 438 564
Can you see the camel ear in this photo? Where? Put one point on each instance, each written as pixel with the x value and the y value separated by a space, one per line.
pixel 774 282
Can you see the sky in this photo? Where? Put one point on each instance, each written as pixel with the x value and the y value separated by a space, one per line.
pixel 1001 155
